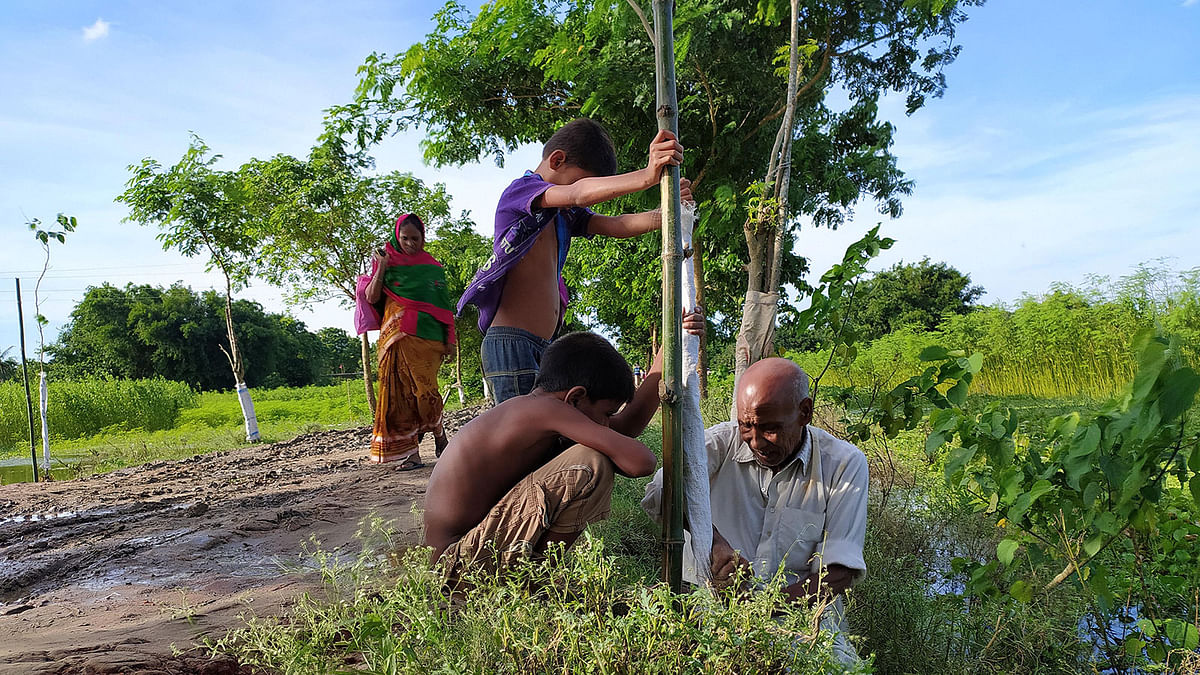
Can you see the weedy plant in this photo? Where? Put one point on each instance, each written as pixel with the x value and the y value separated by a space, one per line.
pixel 570 613
pixel 1109 502
pixel 184 610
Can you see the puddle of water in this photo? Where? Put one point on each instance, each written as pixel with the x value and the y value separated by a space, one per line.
pixel 36 517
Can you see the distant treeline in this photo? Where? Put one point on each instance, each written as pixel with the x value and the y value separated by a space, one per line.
pixel 1071 341
pixel 145 332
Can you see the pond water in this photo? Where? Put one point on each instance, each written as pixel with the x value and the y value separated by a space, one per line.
pixel 20 469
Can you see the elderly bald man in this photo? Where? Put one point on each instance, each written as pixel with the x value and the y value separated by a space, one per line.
pixel 785 495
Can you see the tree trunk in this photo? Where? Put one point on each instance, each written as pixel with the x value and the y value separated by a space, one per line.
pixel 462 399
pixel 366 366
pixel 765 232
pixel 234 354
pixel 238 366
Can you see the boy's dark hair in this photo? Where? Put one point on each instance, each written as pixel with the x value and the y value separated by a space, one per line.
pixel 586 144
pixel 589 361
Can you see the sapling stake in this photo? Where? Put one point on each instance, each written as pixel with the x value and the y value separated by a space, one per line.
pixel 672 314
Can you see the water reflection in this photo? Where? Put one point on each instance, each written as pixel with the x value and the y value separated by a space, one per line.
pixel 20 469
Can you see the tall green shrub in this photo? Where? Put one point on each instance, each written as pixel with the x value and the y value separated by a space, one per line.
pixel 84 408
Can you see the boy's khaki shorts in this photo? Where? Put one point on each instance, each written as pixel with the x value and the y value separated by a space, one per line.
pixel 562 496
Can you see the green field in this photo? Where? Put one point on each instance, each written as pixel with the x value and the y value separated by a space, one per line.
pixel 105 425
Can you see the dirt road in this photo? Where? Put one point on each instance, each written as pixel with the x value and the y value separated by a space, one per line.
pixel 113 574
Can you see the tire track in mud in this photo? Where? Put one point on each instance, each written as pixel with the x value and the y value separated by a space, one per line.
pixel 134 515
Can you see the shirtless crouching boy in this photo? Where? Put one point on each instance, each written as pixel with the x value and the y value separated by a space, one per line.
pixel 538 468
pixel 520 292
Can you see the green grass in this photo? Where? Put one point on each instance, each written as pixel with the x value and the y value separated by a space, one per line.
pixel 213 422
pixel 573 613
pixel 85 408
pixel 1070 342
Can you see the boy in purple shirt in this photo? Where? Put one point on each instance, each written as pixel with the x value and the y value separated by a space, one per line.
pixel 520 291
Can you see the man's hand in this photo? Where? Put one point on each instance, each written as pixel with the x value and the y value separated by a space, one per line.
pixel 693 321
pixel 685 192
pixel 831 581
pixel 725 560
pixel 664 151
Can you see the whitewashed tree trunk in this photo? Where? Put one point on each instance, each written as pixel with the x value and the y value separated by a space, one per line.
pixel 238 366
pixel 44 393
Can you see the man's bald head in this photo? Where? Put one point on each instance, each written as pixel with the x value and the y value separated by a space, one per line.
pixel 773 409
pixel 775 375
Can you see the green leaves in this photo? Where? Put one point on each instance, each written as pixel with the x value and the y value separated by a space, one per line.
pixel 1005 550
pixel 1027 499
pixel 66 224
pixel 1093 496
pixel 1178 392
pixel 943 422
pixel 1079 458
pixel 1022 591
pixel 1182 635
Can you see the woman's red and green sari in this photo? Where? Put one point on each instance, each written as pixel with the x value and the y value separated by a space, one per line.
pixel 417 329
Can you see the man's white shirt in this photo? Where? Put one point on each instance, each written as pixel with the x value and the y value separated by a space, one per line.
pixel 811 513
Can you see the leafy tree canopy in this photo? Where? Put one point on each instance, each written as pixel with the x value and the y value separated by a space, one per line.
pixel 318 219
pixel 146 331
pixel 483 83
pixel 198 209
pixel 917 294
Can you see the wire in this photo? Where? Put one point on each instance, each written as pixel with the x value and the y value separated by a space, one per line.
pixel 54 271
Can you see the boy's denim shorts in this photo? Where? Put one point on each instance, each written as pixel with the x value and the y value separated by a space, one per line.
pixel 511 358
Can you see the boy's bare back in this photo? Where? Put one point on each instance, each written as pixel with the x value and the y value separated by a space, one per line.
pixel 492 453
pixel 484 460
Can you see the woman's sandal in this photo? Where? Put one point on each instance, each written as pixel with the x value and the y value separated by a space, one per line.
pixel 410 464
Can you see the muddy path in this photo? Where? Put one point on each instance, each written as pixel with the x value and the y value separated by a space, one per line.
pixel 117 573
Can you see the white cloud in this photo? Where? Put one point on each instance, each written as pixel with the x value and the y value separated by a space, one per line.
pixel 96 31
pixel 1189 3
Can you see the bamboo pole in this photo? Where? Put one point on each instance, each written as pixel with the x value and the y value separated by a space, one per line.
pixel 25 376
pixel 672 319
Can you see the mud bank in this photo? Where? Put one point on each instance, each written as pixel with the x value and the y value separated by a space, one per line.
pixel 125 572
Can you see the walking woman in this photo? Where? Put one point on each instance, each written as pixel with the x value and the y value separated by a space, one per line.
pixel 416 334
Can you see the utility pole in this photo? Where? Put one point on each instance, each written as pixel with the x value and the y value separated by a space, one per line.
pixel 672 313
pixel 25 376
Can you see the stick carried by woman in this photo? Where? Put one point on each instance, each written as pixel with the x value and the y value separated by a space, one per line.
pixel 416 334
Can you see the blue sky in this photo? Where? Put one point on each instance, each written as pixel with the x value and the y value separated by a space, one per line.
pixel 1067 144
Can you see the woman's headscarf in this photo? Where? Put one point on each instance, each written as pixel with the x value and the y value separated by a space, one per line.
pixel 419 283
